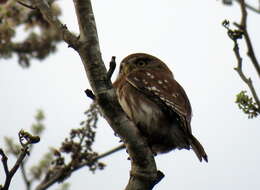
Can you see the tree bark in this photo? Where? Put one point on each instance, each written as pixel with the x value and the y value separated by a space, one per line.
pixel 143 173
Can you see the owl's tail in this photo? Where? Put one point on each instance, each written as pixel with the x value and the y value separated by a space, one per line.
pixel 198 149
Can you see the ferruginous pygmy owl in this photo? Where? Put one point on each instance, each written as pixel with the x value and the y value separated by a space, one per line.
pixel 157 104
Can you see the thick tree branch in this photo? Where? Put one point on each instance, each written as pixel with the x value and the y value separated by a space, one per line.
pixel 143 163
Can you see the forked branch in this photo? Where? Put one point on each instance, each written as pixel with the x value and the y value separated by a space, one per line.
pixel 26 139
pixel 144 172
pixel 252 108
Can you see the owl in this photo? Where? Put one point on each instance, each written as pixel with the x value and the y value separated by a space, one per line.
pixel 157 104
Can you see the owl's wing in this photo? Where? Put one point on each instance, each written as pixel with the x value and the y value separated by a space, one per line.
pixel 163 86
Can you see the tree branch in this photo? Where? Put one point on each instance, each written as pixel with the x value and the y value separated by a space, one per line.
pixel 243 26
pixel 67 36
pixel 25 178
pixel 246 80
pixel 249 6
pixel 238 34
pixel 143 163
pixel 60 173
pixel 24 151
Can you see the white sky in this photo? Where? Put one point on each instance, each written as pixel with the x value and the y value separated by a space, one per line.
pixel 188 36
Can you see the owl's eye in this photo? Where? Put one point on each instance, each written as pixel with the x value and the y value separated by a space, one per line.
pixel 141 63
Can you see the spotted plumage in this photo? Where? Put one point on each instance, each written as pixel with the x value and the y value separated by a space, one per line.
pixel 157 104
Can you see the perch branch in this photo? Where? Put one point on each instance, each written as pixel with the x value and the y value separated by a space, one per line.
pixel 143 163
pixel 112 67
pixel 142 160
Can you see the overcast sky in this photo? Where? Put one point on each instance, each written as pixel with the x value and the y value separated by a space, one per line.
pixel 188 36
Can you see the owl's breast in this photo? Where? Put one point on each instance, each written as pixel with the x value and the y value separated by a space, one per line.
pixel 140 109
pixel 163 132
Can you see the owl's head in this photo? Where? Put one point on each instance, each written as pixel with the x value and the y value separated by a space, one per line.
pixel 141 61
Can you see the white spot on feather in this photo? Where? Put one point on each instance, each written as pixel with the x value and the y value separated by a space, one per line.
pixel 153 88
pixel 145 82
pixel 175 95
pixel 136 79
pixel 150 75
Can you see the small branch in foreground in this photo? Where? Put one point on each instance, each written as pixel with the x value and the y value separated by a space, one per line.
pixel 26 139
pixel 59 174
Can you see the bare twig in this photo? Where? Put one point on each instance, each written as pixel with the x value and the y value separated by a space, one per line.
pixel 250 53
pixel 250 7
pixel 25 178
pixel 112 67
pixel 239 70
pixel 120 147
pixel 25 5
pixel 235 35
pixel 29 139
pixel 4 161
pixel 90 94
pixel 243 26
